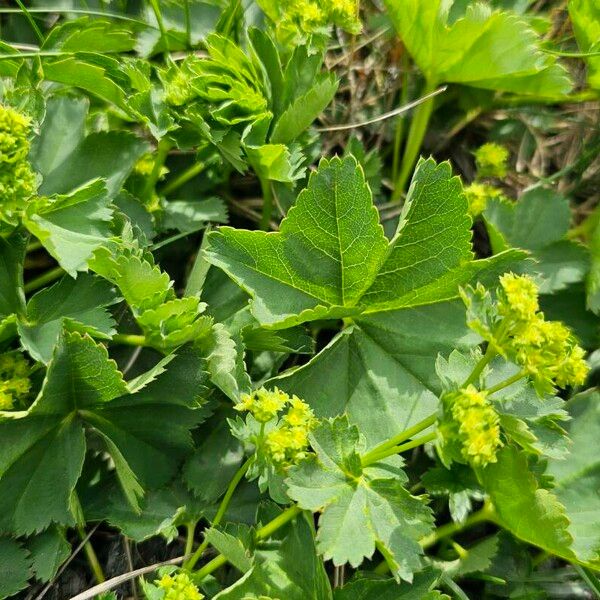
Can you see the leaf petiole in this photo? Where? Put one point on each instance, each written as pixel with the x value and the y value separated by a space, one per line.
pixel 401 448
pixel 190 564
pixel 401 437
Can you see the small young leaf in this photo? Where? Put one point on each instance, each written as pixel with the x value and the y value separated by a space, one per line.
pixel 80 301
pixel 48 552
pixel 360 510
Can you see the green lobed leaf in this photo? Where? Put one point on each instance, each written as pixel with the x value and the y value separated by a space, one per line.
pixel 360 510
pixel 234 543
pixel 330 258
pixel 495 50
pixel 72 226
pixel 81 72
pixel 80 302
pixel 534 514
pixel 48 551
pixel 42 450
pixel 107 155
pixel 15 567
pixel 577 478
pixel 300 114
pixel 365 587
pixel 214 462
pixel 539 222
pixel 381 371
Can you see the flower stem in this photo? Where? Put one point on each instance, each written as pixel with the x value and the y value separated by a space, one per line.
pixel 189 540
pixel 43 279
pixel 264 532
pixel 130 339
pixel 503 384
pixel 416 133
pixel 191 563
pixel 401 437
pixel 162 152
pixel 90 553
pixel 182 178
pixel 398 449
pixel 267 192
pixel 485 513
pixel 490 353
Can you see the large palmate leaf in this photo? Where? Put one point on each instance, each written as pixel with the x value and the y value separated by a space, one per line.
pixel 362 507
pixel 577 478
pixel 539 222
pixel 288 569
pixel 381 371
pixel 325 266
pixel 485 49
pixel 81 302
pixel 42 449
pixel 331 258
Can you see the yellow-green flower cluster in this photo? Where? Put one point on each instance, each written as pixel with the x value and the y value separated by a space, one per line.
pixel 474 423
pixel 517 297
pixel 17 180
pixel 478 195
pixel 263 404
pixel 300 18
pixel 179 587
pixel 546 350
pixel 287 442
pixel 491 160
pixel 14 380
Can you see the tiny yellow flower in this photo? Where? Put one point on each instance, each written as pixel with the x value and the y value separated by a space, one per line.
pixel 263 404
pixel 179 587
pixel 6 400
pixel 491 160
pixel 518 297
pixel 299 414
pixel 477 425
pixel 17 180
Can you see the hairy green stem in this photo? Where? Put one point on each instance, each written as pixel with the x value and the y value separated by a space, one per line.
pixel 155 4
pixel 182 178
pixel 40 281
pixel 504 384
pixel 162 152
pixel 490 353
pixel 191 563
pixel 267 210
pixel 416 133
pixel 90 553
pixel 401 448
pixel 189 540
pixel 130 339
pixel 485 513
pixel 401 437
